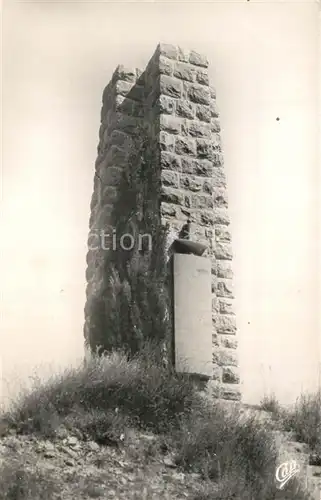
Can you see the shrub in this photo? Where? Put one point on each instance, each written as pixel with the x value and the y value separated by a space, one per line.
pixel 271 404
pixel 304 419
pixel 221 444
pixel 144 392
pixel 18 482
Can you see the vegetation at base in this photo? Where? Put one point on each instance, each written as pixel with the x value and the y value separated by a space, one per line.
pixel 234 454
pixel 303 419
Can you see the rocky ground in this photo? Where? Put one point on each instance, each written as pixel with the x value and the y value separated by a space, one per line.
pixel 133 466
pixel 290 449
pixel 309 473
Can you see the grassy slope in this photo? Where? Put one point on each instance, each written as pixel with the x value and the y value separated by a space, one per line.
pixel 71 436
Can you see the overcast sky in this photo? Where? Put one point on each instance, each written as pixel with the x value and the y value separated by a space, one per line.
pixel 57 58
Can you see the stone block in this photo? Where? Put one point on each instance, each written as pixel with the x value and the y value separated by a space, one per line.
pixel 219 178
pixel 202 77
pixel 184 72
pixel 110 176
pixel 208 187
pixel 170 195
pixel 170 161
pixel 204 149
pixel 220 197
pixel 214 108
pixel 224 356
pixel 183 54
pixel 197 167
pixel 89 273
pixel 125 123
pixel 221 216
pixel 197 93
pixel 200 201
pixel 207 218
pixel 214 267
pixel 123 88
pixel 170 124
pixel 187 201
pixel 215 303
pixel 166 105
pixel 191 183
pixel 121 139
pixel 165 67
pixel 203 113
pixel 103 218
pixel 169 210
pixel 196 128
pixel 226 306
pixel 166 142
pixel 228 341
pixel 218 159
pixel 230 375
pixel 215 125
pixel 185 108
pixel 222 234
pixel 124 105
pixel 198 59
pixel 109 195
pixel 197 232
pixel 225 324
pixel 209 233
pixel 215 339
pixel 169 178
pixel 213 92
pixel 216 143
pixel 125 74
pixel 217 373
pixel 223 251
pixel 170 86
pixel 185 146
pixel 101 150
pixel 168 50
pixel 116 156
pixel 224 269
pixel 224 287
pixel 230 393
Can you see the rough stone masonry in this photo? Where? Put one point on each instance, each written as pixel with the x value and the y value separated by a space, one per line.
pixel 173 97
